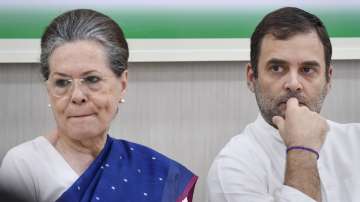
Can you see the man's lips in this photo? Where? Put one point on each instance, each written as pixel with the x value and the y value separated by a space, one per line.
pixel 300 103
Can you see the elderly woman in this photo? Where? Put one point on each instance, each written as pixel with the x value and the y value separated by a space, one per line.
pixel 84 58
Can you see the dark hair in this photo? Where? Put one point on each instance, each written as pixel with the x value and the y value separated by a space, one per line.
pixel 285 23
pixel 85 24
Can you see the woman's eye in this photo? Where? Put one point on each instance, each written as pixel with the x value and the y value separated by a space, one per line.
pixel 62 83
pixel 92 79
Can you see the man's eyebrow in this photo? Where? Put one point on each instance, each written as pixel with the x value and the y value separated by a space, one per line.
pixel 276 61
pixel 312 63
pixel 89 72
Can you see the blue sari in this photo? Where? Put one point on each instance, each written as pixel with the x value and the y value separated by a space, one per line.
pixel 129 172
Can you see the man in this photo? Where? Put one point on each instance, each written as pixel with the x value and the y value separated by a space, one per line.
pixel 290 153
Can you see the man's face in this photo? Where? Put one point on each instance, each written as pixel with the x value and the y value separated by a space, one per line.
pixel 289 68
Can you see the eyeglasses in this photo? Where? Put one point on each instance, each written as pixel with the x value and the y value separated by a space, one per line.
pixel 61 86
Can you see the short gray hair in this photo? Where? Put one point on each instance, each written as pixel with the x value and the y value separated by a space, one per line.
pixel 85 24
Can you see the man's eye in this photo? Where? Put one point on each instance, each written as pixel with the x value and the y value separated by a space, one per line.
pixel 62 83
pixel 92 79
pixel 276 68
pixel 308 70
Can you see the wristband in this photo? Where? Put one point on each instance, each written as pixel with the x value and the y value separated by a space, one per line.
pixel 304 149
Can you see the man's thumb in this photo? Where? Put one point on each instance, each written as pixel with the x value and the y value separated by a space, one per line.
pixel 278 121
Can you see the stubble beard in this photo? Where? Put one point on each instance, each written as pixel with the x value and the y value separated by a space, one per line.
pixel 270 105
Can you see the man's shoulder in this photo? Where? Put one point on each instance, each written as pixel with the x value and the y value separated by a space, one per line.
pixel 239 143
pixel 240 160
pixel 347 124
pixel 348 128
pixel 342 139
pixel 343 136
pixel 241 147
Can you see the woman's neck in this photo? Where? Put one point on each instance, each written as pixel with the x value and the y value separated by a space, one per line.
pixel 79 154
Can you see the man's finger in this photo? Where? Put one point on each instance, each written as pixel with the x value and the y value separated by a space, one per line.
pixel 279 122
pixel 292 102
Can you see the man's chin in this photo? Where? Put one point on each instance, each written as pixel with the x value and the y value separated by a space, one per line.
pixel 281 110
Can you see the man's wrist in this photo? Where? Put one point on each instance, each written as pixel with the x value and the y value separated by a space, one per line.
pixel 302 148
pixel 301 158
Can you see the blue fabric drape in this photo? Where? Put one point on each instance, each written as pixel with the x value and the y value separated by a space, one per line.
pixel 130 172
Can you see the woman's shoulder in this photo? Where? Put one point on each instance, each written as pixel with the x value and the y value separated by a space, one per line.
pixel 19 165
pixel 141 152
pixel 158 167
pixel 23 159
pixel 144 156
pixel 26 150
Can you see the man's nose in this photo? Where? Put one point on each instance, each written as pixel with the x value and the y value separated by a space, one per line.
pixel 293 82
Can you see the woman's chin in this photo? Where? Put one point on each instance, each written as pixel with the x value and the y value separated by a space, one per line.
pixel 83 131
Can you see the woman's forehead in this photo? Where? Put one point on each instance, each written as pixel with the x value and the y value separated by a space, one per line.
pixel 78 58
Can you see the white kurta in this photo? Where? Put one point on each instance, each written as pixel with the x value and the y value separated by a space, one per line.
pixel 37 170
pixel 251 167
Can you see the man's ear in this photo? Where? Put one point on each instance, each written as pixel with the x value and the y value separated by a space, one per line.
pixel 329 78
pixel 250 77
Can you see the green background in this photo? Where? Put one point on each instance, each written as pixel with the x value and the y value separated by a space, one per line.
pixel 175 23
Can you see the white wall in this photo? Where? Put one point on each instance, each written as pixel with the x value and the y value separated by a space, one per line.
pixel 186 110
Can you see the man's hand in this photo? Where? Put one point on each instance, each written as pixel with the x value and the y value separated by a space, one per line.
pixel 301 127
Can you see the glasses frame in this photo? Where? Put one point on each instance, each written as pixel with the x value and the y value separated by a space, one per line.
pixel 86 89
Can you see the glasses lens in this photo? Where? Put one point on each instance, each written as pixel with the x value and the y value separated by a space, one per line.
pixel 93 82
pixel 59 86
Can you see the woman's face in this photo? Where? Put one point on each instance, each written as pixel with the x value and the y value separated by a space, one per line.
pixel 83 91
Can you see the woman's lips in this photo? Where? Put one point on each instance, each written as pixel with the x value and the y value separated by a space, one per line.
pixel 81 116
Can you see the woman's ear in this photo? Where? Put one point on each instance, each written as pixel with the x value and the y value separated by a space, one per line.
pixel 123 84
